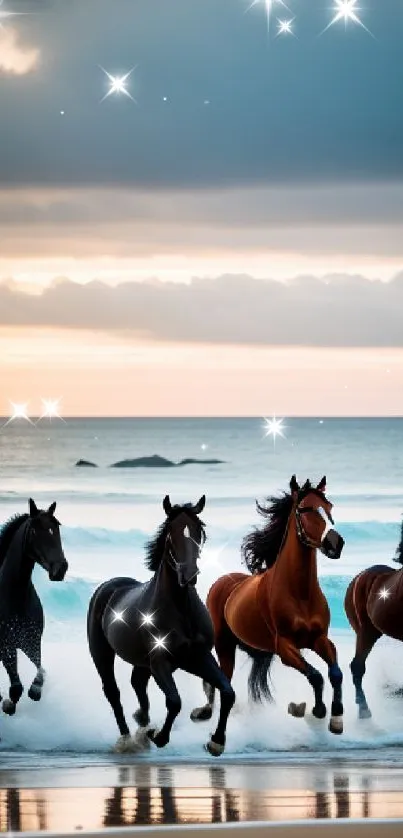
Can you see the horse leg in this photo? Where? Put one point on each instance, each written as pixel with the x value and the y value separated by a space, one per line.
pixel 206 667
pixel 16 688
pixel 104 659
pixel 291 656
pixel 31 646
pixel 327 651
pixel 139 681
pixel 367 635
pixel 225 647
pixel 162 674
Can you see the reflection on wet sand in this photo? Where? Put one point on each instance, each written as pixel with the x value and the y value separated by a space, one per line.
pixel 151 795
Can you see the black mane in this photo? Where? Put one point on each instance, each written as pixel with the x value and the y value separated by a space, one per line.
pixel 399 548
pixel 8 531
pixel 156 546
pixel 261 547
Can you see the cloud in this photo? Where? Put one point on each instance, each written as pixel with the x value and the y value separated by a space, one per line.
pixel 16 59
pixel 123 224
pixel 338 311
pixel 300 110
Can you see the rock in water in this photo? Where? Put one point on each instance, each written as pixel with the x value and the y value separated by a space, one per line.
pixel 145 462
pixel 155 461
pixel 86 464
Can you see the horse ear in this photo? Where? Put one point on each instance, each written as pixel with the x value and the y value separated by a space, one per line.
pixel 294 485
pixel 199 506
pixel 321 487
pixel 52 508
pixel 166 503
pixel 306 486
pixel 33 509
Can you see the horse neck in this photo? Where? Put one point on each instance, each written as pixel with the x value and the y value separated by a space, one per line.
pixel 17 567
pixel 166 580
pixel 297 564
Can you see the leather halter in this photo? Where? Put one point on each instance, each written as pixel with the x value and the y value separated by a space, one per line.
pixel 170 557
pixel 303 537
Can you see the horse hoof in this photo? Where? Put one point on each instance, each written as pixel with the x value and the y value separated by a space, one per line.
pixel 297 710
pixel 364 713
pixel 122 746
pixel 319 712
pixel 157 738
pixel 132 744
pixel 201 714
pixel 214 748
pixel 336 725
pixel 141 718
pixel 35 693
pixel 9 707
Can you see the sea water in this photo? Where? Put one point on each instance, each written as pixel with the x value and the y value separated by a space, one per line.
pixel 108 515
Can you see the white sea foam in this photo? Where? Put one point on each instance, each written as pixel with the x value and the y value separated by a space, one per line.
pixel 74 715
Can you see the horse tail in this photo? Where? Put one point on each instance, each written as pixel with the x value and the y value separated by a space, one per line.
pixel 258 681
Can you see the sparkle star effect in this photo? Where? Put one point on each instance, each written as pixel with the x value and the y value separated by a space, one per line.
pixel 384 594
pixel 159 643
pixel 268 7
pixel 346 10
pixel 147 619
pixel 274 427
pixel 118 617
pixel 50 409
pixel 118 84
pixel 285 27
pixel 19 412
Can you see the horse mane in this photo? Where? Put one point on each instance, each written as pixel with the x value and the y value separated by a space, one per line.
pixel 399 549
pixel 8 531
pixel 261 547
pixel 156 546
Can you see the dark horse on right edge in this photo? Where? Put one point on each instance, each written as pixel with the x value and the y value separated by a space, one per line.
pixel 374 606
pixel 280 609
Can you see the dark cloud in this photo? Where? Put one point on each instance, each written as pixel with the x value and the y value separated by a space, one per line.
pixel 285 111
pixel 339 311
pixel 369 204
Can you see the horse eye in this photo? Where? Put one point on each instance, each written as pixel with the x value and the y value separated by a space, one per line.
pixel 186 532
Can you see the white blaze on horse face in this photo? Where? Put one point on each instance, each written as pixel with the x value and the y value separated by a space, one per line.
pixel 186 533
pixel 328 524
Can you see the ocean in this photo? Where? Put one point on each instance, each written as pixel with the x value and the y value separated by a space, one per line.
pixel 107 516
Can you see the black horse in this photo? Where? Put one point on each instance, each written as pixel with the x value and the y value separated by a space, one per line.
pixel 158 627
pixel 24 540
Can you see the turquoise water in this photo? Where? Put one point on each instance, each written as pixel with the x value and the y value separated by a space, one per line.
pixel 108 515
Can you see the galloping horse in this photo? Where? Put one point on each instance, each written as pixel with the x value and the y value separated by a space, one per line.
pixel 24 540
pixel 281 609
pixel 159 626
pixel 374 606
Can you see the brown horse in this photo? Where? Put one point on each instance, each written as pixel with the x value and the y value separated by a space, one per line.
pixel 374 605
pixel 280 608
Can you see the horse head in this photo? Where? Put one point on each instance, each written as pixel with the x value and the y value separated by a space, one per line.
pixel 184 540
pixel 313 513
pixel 45 544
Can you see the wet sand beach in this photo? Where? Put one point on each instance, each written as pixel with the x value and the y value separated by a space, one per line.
pixel 77 798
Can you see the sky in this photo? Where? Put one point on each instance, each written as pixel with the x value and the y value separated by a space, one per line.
pixel 224 239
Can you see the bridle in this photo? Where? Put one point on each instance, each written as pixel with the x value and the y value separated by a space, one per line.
pixel 171 558
pixel 302 535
